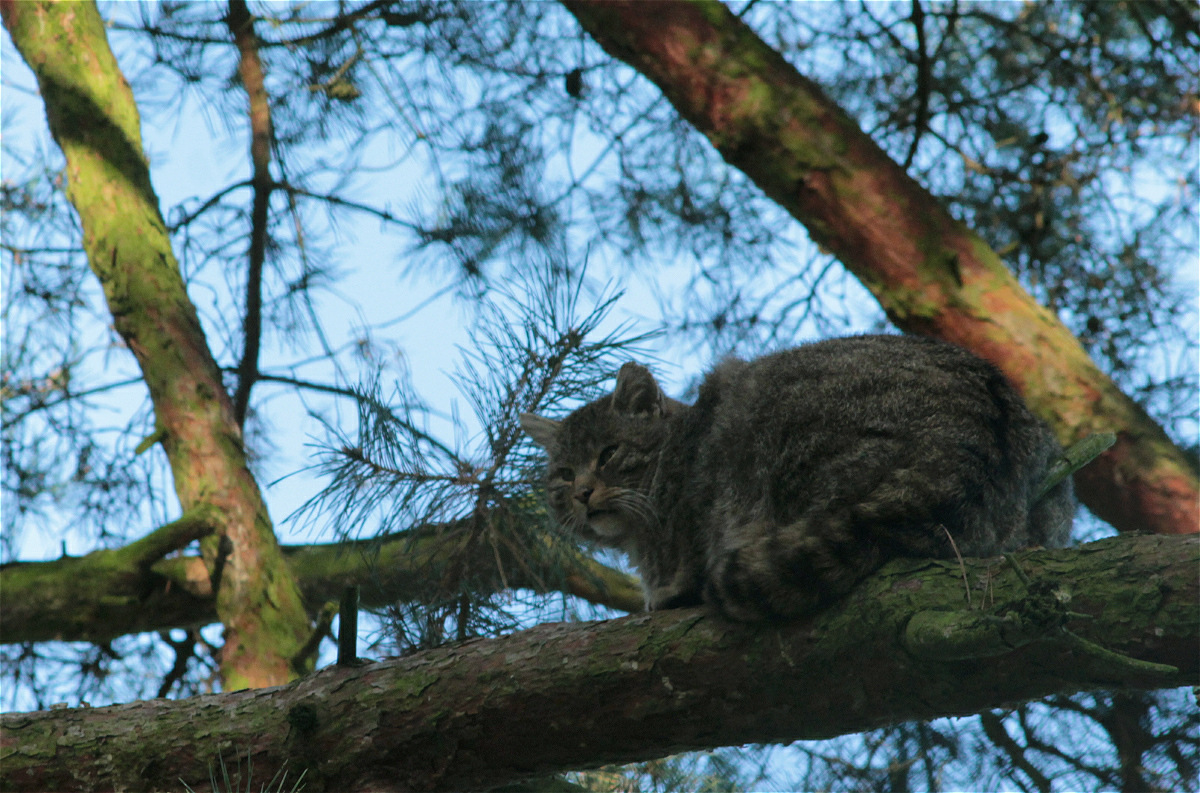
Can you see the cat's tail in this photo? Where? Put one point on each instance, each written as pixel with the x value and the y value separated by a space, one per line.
pixel 765 571
pixel 775 573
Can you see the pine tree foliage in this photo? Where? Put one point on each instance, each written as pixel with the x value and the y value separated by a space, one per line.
pixel 534 347
pixel 1063 132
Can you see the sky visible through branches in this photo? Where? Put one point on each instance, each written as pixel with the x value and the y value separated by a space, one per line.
pixel 418 312
pixel 419 324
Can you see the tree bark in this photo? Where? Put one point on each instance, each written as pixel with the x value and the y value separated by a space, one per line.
pixel 94 119
pixel 567 696
pixel 111 593
pixel 930 273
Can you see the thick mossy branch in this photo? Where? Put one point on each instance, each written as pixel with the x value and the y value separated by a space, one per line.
pixel 94 119
pixel 566 696
pixel 959 635
pixel 80 598
pixel 1041 613
pixel 192 525
pixel 111 593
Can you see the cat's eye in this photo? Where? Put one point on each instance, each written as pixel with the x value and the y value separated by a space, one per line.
pixel 566 474
pixel 605 456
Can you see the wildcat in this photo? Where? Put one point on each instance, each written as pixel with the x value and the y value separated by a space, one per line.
pixel 795 475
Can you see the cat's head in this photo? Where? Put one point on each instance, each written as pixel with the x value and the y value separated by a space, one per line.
pixel 602 458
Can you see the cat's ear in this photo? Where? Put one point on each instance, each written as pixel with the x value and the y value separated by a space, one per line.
pixel 544 431
pixel 637 392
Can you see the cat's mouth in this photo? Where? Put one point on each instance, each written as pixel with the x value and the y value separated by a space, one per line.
pixel 606 524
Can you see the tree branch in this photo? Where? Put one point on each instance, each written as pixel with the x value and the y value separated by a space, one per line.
pixel 931 274
pixel 921 117
pixel 111 593
pixel 250 68
pixel 360 396
pixel 337 201
pixel 188 217
pixel 563 696
pixel 94 120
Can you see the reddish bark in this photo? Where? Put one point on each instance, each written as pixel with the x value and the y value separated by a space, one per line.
pixel 930 273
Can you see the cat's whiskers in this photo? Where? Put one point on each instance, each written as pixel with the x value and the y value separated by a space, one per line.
pixel 637 504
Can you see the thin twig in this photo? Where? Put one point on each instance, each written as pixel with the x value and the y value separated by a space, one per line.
pixel 961 564
pixel 921 121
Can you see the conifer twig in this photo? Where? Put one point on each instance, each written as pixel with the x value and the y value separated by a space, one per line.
pixel 1076 456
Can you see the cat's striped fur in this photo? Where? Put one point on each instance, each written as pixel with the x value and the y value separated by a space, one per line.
pixel 795 475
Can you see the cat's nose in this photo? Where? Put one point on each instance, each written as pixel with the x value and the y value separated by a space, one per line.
pixel 583 495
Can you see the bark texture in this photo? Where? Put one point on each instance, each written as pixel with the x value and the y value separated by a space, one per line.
pixel 930 273
pixel 111 593
pixel 567 696
pixel 94 120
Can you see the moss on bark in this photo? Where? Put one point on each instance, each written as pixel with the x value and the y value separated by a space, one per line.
pixel 94 120
pixel 110 593
pixel 560 696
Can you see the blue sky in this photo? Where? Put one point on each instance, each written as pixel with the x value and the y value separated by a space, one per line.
pixel 201 150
